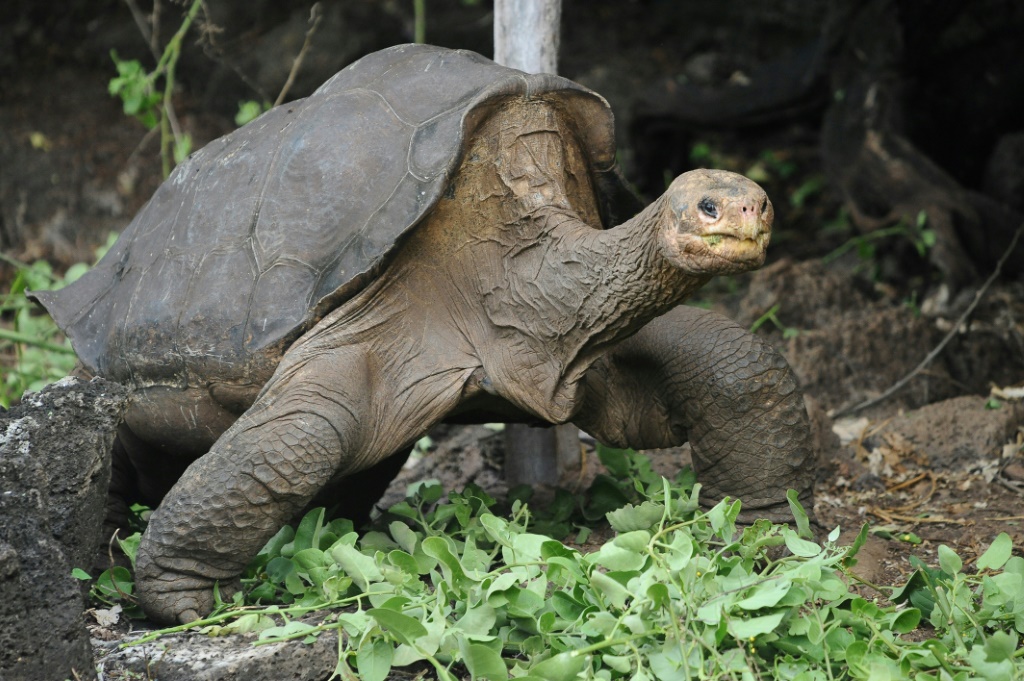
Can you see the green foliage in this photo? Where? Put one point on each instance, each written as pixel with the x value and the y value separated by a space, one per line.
pixel 249 111
pixel 865 244
pixel 771 165
pixel 772 316
pixel 680 592
pixel 144 97
pixel 31 349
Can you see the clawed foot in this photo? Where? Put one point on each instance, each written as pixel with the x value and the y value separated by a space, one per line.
pixel 176 597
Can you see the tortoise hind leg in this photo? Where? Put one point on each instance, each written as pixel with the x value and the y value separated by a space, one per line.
pixel 693 375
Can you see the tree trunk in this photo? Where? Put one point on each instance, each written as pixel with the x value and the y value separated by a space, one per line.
pixel 526 38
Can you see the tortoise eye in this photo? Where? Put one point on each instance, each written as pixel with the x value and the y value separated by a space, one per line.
pixel 708 207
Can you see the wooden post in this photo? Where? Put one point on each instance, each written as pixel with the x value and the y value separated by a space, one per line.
pixel 526 34
pixel 526 38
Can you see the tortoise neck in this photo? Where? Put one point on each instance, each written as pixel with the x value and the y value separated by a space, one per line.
pixel 628 280
pixel 565 292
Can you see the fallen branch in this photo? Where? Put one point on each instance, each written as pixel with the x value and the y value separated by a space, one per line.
pixel 900 384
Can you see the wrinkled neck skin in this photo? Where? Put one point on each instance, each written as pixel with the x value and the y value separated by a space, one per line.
pixel 551 291
pixel 566 293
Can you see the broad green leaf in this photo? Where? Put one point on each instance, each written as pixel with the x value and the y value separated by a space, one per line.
pixel 849 558
pixel 130 546
pixel 292 629
pixel 115 583
pixel 620 663
pixel 374 659
pixel 615 460
pixel 428 490
pixel 994 660
pixel 308 531
pixel 523 602
pixel 636 540
pixel 658 595
pixel 630 517
pixel 766 594
pixel 528 547
pixel 307 559
pixel 610 589
pixel 950 563
pixel 681 550
pixel 567 607
pixel 438 548
pixel 906 620
pixel 404 562
pixel 601 623
pixel 798 546
pixel 405 629
pixel 755 626
pixel 561 667
pixel 484 663
pixel 917 592
pixel 478 620
pixel 997 554
pixel 614 557
pixel 605 495
pixel 360 567
pixel 803 523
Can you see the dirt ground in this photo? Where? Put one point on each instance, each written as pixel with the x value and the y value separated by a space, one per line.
pixel 937 463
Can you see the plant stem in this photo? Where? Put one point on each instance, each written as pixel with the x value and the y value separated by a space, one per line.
pixel 25 339
pixel 419 9
pixel 169 128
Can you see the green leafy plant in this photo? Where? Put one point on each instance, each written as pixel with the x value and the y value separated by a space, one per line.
pixel 680 592
pixel 249 110
pixel 144 97
pixel 772 316
pixel 30 343
pixel 865 244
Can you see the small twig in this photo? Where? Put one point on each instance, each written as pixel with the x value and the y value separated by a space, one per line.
pixel 148 34
pixel 908 483
pixel 900 384
pixel 888 516
pixel 314 20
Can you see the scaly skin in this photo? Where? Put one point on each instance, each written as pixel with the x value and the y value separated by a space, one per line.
pixel 695 376
pixel 506 298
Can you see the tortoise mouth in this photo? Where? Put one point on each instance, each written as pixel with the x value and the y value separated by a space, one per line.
pixel 739 248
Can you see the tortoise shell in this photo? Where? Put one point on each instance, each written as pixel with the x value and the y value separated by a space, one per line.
pixel 259 234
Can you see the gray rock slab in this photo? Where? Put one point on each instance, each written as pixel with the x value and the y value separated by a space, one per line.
pixel 54 471
pixel 192 656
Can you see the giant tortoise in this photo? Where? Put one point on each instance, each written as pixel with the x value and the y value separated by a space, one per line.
pixel 428 237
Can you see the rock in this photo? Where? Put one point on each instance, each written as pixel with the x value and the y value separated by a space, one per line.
pixel 54 471
pixel 191 656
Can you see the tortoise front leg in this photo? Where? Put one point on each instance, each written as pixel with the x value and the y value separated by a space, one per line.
pixel 693 375
pixel 318 420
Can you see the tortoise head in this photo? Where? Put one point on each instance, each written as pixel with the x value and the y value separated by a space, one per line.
pixel 715 222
